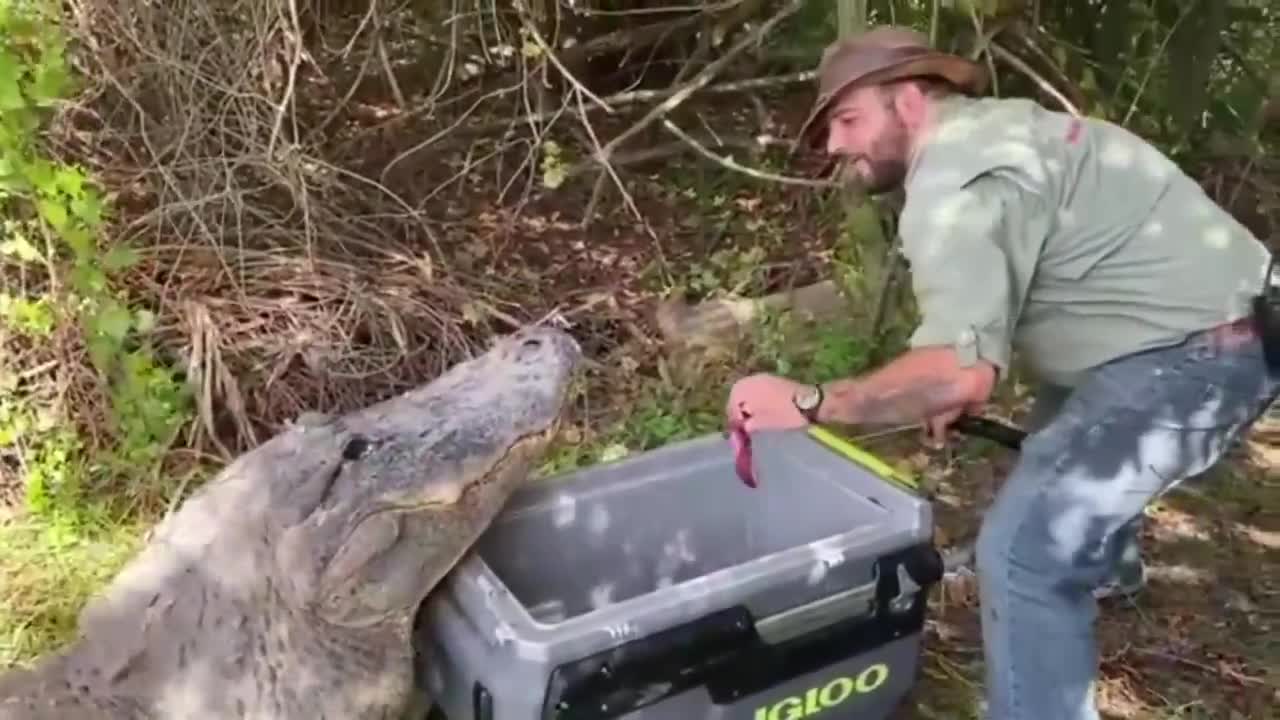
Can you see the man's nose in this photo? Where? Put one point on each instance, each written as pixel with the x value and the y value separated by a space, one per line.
pixel 835 143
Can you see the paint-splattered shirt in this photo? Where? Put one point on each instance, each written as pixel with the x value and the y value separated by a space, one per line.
pixel 1068 241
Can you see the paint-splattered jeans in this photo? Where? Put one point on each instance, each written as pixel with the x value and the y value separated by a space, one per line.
pixel 1132 430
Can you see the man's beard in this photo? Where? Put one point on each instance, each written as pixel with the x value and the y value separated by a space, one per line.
pixel 886 160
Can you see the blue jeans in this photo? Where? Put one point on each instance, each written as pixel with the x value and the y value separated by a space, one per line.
pixel 1058 527
pixel 1127 570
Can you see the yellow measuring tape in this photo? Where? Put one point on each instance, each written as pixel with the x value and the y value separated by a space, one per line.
pixel 862 457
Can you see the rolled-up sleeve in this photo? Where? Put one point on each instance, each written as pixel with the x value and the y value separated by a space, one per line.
pixel 963 272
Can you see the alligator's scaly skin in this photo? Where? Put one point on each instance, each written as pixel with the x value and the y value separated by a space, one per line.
pixel 286 588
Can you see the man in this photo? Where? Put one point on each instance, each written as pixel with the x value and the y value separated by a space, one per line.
pixel 1119 283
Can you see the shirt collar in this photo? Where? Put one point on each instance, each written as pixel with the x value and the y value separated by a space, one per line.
pixel 945 111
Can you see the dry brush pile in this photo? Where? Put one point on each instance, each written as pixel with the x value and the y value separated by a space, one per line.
pixel 296 181
pixel 278 272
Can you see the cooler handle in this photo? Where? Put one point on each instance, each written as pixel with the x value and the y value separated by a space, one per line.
pixel 802 619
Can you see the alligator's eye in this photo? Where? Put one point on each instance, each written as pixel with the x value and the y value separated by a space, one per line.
pixel 357 447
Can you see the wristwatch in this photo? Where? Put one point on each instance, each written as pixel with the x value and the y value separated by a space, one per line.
pixel 807 400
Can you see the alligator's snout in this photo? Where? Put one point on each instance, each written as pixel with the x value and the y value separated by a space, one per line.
pixel 530 346
pixel 535 346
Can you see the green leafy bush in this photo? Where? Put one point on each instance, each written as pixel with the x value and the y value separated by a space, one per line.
pixel 64 315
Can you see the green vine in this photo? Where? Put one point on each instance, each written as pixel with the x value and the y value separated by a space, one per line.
pixel 54 277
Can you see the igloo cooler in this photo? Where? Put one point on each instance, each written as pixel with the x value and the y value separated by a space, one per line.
pixel 659 586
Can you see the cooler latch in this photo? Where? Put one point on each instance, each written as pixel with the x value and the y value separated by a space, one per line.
pixel 901 590
pixel 908 589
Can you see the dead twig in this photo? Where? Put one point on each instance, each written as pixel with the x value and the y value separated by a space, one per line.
pixel 1021 66
pixel 532 28
pixel 698 81
pixel 294 37
pixel 633 97
pixel 702 79
pixel 731 164
pixel 1219 671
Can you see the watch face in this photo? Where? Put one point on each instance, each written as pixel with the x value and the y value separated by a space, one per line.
pixel 807 398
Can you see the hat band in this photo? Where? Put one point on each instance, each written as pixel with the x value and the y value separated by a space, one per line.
pixel 884 58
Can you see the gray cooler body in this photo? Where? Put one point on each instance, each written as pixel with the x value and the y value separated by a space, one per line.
pixel 659 586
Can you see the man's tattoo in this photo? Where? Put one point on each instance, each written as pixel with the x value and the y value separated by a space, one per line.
pixel 861 403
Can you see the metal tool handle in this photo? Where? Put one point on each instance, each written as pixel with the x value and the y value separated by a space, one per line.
pixel 993 430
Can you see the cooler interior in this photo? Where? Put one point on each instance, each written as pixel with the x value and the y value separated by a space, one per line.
pixel 618 531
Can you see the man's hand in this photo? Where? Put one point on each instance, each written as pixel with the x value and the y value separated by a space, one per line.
pixel 764 402
pixel 935 428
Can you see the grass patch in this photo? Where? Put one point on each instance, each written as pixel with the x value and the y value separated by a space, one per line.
pixel 49 568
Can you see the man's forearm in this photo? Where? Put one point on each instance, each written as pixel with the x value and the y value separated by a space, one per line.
pixel 912 388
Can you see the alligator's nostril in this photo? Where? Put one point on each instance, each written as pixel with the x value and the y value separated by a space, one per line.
pixel 356 448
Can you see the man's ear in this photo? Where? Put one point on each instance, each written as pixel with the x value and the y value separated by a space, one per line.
pixel 909 100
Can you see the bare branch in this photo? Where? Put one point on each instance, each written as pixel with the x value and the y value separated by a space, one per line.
pixel 532 28
pixel 1021 66
pixel 633 97
pixel 731 164
pixel 700 80
pixel 294 36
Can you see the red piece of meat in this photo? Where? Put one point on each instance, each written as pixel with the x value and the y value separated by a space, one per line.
pixel 740 441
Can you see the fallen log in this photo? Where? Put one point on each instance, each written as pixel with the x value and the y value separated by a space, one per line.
pixel 718 325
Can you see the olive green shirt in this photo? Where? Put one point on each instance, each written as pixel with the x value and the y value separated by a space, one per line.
pixel 1068 241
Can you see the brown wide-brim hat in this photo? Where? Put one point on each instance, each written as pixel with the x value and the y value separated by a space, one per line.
pixel 883 55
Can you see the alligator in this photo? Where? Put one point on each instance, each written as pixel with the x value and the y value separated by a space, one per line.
pixel 287 586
